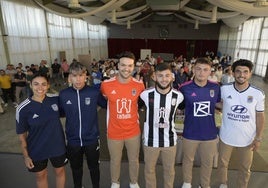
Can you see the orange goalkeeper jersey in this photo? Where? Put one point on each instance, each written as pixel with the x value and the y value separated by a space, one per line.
pixel 122 109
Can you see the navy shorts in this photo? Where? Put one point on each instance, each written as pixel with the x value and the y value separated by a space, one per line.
pixel 56 162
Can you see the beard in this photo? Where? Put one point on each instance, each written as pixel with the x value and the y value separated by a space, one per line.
pixel 162 87
pixel 240 81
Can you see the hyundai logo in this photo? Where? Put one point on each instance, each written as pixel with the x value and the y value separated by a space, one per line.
pixel 239 109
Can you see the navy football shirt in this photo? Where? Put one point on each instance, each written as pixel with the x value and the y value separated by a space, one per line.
pixel 42 122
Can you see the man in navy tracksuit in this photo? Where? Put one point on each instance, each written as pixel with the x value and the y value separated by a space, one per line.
pixel 79 105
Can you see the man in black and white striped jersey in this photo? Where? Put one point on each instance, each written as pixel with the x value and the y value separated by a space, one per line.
pixel 159 135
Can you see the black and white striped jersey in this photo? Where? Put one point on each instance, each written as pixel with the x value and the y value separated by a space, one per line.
pixel 159 127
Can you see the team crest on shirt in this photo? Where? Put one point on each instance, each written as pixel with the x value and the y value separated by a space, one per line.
pixel 134 92
pixel 173 101
pixel 212 93
pixel 87 101
pixel 55 107
pixel 250 99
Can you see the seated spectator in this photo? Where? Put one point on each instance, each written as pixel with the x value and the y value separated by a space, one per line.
pixel 227 77
pixel 180 78
pixel 212 77
pixel 218 73
pixel 96 77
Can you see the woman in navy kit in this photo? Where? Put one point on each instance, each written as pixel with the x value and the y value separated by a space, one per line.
pixel 41 134
pixel 79 104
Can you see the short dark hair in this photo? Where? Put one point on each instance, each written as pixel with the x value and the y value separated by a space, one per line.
pixel 127 54
pixel 242 62
pixel 77 67
pixel 39 74
pixel 162 67
pixel 203 60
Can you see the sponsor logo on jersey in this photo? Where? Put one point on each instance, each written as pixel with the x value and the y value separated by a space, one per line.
pixel 229 97
pixel 239 109
pixel 68 102
pixel 202 109
pixel 123 108
pixel 87 101
pixel 239 113
pixel 161 115
pixel 113 92
pixel 55 107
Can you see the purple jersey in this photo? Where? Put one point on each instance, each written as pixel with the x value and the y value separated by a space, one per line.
pixel 199 122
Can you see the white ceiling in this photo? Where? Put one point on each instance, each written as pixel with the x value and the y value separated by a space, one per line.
pixel 126 12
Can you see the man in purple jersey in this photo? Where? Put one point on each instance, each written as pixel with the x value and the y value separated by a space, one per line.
pixel 200 131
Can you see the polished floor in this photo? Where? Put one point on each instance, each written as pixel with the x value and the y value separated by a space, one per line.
pixel 14 174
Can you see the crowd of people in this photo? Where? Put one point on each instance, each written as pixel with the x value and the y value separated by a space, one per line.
pixel 197 87
pixel 15 80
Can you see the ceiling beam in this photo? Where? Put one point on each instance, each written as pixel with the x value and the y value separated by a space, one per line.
pixel 45 2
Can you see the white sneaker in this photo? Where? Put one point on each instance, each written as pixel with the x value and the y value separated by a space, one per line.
pixel 223 186
pixel 186 185
pixel 115 185
pixel 134 185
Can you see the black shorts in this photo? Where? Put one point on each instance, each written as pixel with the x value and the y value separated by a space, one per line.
pixel 56 162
